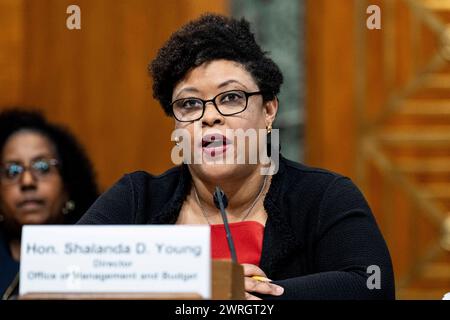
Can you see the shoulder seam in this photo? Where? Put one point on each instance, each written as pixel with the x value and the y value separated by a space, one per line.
pixel 159 176
pixel 168 172
pixel 315 170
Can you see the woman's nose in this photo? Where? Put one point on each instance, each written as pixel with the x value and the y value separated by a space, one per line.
pixel 27 180
pixel 211 115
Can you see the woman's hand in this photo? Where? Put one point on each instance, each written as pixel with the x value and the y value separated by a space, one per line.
pixel 262 285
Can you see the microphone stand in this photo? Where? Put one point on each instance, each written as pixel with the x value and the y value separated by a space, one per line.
pixel 221 202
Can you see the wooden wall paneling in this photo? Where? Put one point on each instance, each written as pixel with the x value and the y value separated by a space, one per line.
pixel 11 46
pixel 399 115
pixel 329 61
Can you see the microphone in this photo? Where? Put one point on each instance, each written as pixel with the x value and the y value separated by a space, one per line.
pixel 221 202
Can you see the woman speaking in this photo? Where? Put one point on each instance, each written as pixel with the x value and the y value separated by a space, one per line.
pixel 301 233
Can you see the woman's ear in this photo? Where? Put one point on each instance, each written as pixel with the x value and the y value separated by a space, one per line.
pixel 271 109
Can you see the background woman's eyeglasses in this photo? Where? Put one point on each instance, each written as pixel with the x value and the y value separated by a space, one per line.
pixel 227 103
pixel 41 168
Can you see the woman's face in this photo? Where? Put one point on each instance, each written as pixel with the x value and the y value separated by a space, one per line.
pixel 205 82
pixel 31 198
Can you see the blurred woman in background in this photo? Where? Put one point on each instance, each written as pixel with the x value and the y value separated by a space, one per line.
pixel 45 178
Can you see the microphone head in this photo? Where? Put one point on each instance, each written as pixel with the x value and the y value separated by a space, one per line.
pixel 220 194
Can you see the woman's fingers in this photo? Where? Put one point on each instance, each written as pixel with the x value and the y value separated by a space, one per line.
pixel 256 281
pixel 264 287
pixel 252 270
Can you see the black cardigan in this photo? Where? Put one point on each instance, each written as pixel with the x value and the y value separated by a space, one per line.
pixel 9 267
pixel 319 239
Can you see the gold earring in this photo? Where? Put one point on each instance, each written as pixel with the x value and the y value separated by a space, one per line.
pixel 68 207
pixel 269 128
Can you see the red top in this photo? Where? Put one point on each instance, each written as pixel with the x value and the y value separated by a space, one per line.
pixel 247 237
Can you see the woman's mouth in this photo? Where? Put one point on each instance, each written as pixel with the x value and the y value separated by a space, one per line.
pixel 31 204
pixel 214 144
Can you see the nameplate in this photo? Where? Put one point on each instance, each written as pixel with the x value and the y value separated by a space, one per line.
pixel 119 259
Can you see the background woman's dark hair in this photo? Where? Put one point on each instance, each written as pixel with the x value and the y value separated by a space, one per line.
pixel 208 38
pixel 75 168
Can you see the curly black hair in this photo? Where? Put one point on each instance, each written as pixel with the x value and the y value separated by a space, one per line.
pixel 212 37
pixel 75 168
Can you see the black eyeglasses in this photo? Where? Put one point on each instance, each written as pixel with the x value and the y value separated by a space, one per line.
pixel 227 103
pixel 39 169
